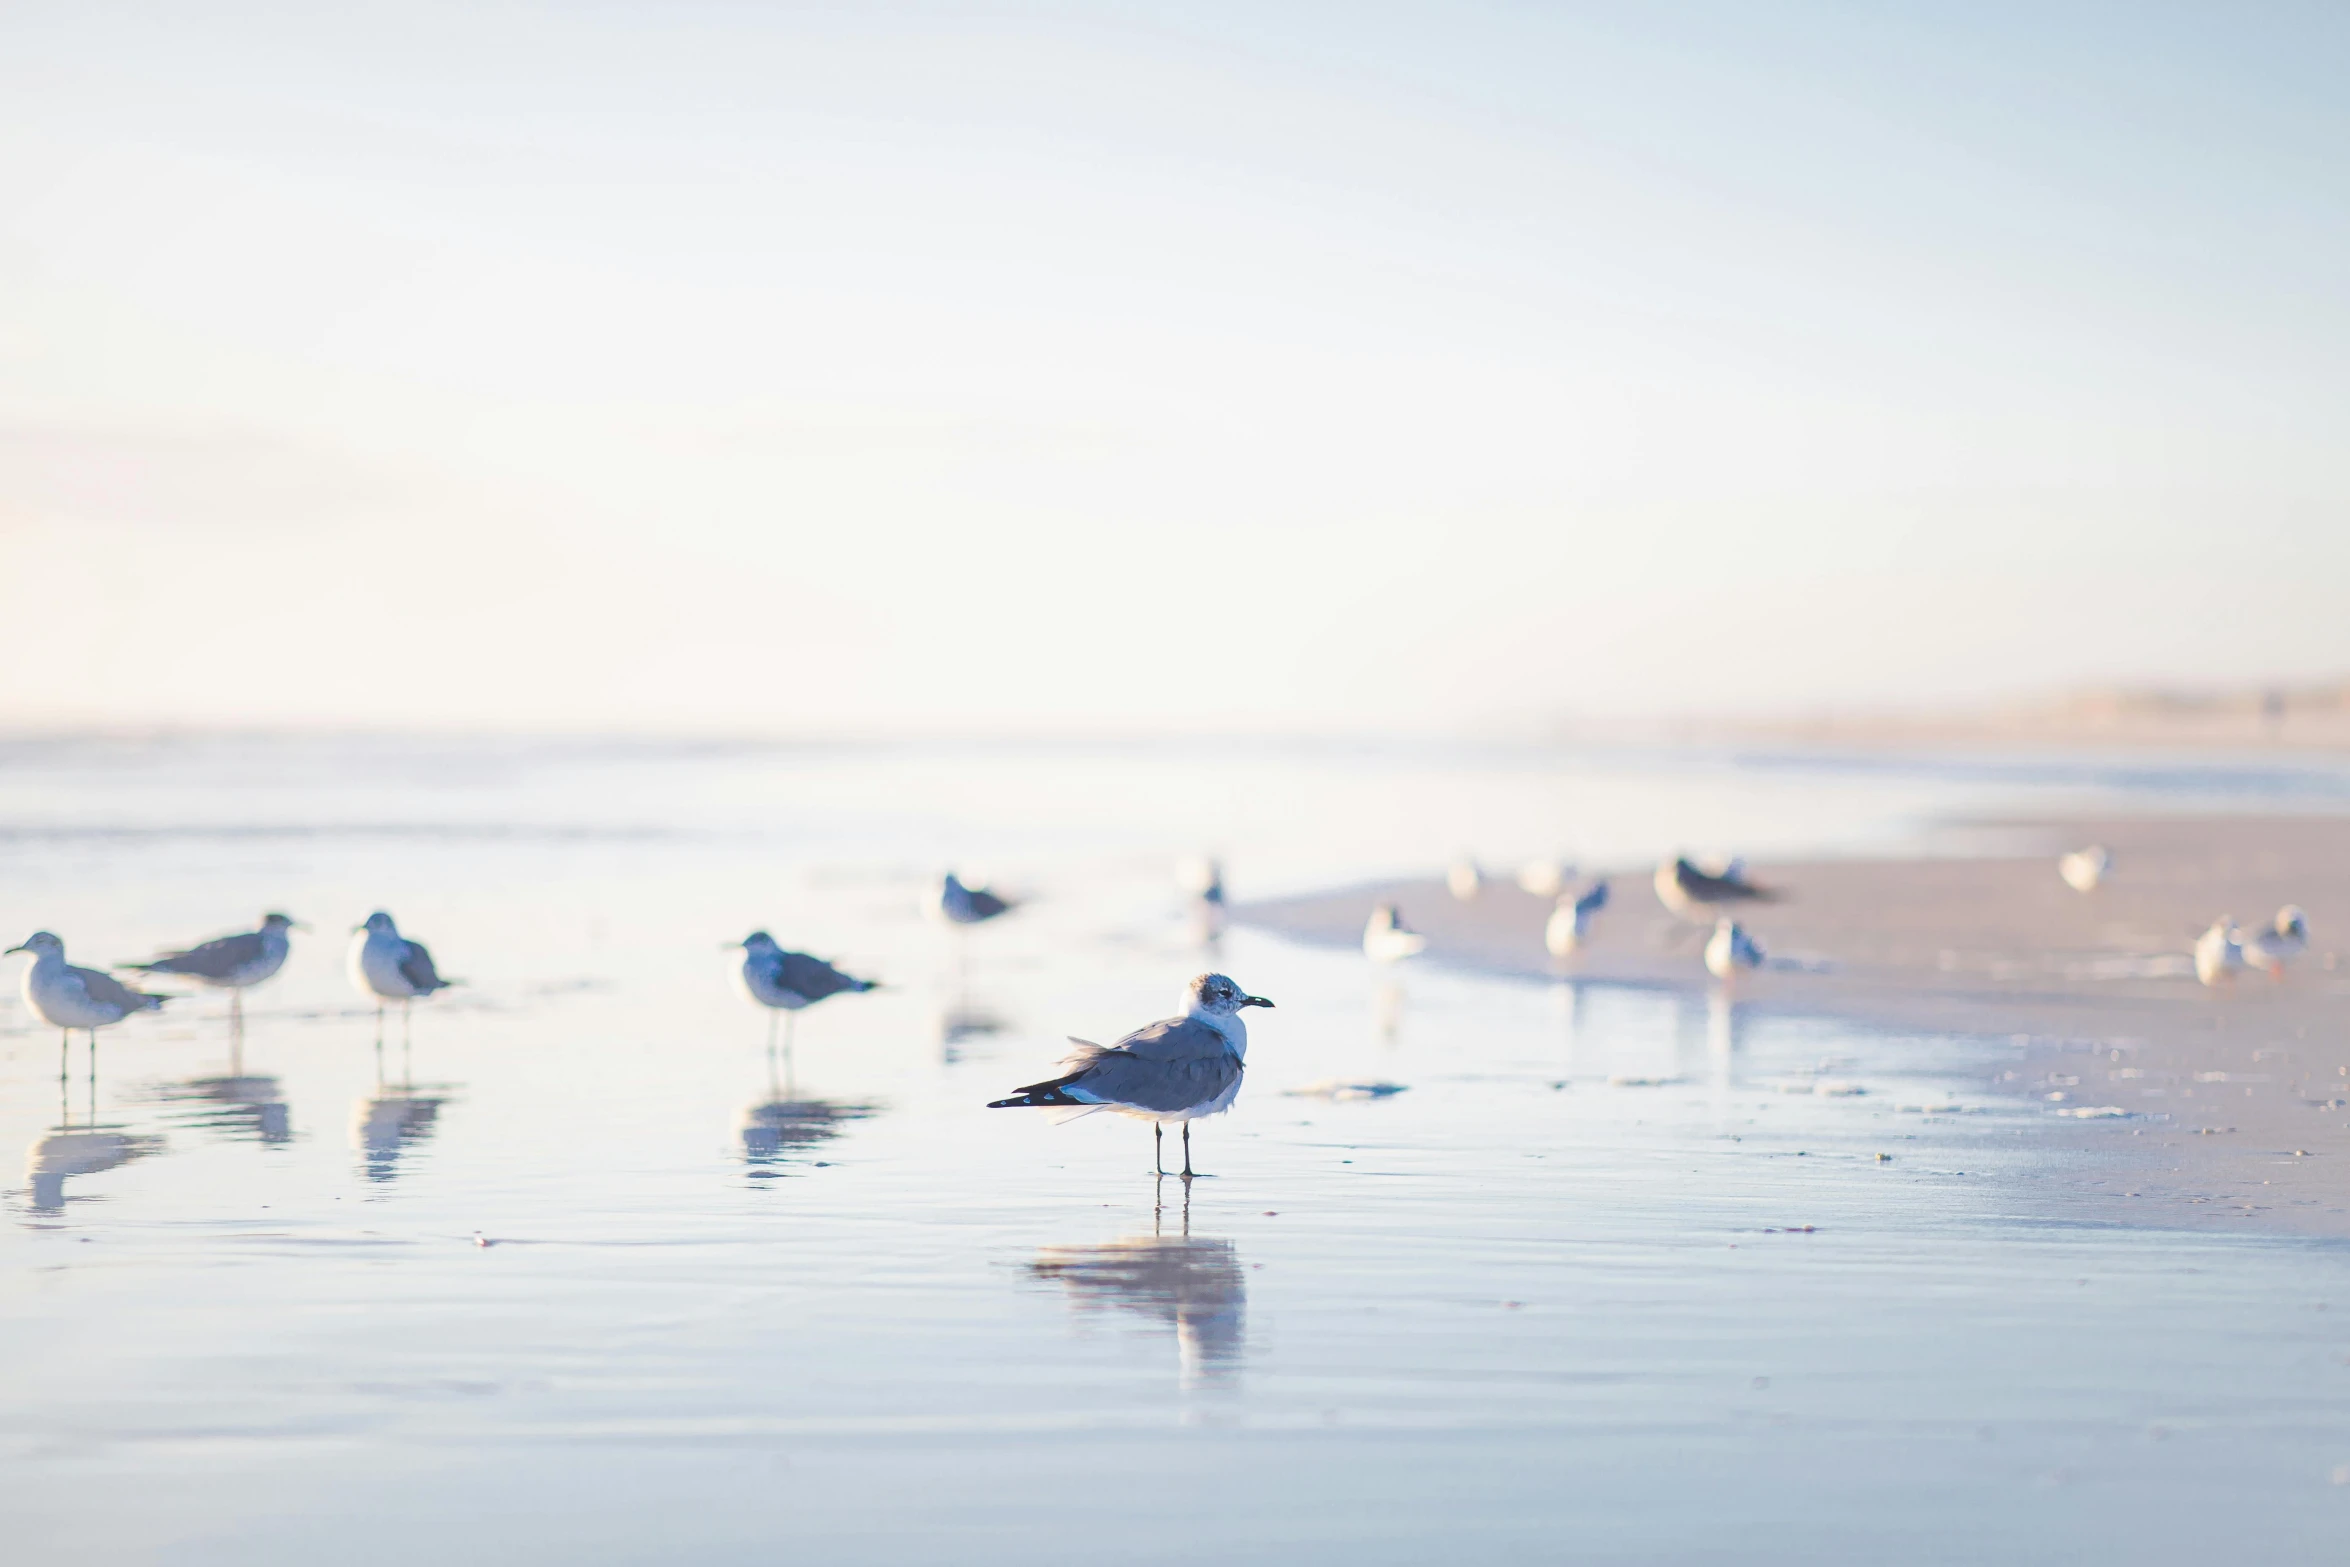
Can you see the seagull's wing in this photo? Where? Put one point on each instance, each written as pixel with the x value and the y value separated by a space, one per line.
pixel 986 905
pixel 814 978
pixel 416 968
pixel 1593 900
pixel 1168 1066
pixel 216 959
pixel 1720 889
pixel 106 990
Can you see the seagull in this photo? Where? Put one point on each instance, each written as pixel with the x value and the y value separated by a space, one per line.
pixel 2083 869
pixel 1173 1070
pixel 231 963
pixel 1731 950
pixel 1387 939
pixel 1570 921
pixel 389 967
pixel 2219 952
pixel 957 904
pixel 1544 878
pixel 2278 943
pixel 1464 878
pixel 1202 880
pixel 788 981
pixel 67 998
pixel 1696 896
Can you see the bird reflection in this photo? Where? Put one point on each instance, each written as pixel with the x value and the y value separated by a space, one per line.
pixel 1725 1028
pixel 784 1124
pixel 68 1150
pixel 1194 1284
pixel 1387 1009
pixel 389 1122
pixel 238 1107
pixel 959 1021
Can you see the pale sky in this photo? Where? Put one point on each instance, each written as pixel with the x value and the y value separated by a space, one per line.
pixel 1341 367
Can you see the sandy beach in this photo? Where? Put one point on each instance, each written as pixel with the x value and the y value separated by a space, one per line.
pixel 2226 1107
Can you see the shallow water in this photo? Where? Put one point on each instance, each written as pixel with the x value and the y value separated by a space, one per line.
pixel 574 1277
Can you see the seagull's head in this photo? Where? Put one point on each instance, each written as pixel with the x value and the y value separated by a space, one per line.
pixel 280 922
pixel 379 924
pixel 757 941
pixel 1217 996
pixel 40 943
pixel 2292 922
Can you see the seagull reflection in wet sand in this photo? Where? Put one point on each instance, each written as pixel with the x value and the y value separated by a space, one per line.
pixel 1193 1283
pixel 784 1123
pixel 238 1107
pixel 69 1150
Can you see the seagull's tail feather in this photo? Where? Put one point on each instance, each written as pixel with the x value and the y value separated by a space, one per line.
pixel 1054 1095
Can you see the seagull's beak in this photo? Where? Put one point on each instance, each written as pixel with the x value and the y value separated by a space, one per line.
pixel 19 947
pixel 1254 1001
pixel 301 925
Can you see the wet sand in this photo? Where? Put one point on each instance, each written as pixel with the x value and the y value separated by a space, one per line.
pixel 2220 1108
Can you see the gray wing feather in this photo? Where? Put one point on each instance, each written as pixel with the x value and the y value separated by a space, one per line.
pixel 106 990
pixel 814 978
pixel 210 960
pixel 416 968
pixel 1168 1066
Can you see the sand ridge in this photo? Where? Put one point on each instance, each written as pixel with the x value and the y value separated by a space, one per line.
pixel 2235 1100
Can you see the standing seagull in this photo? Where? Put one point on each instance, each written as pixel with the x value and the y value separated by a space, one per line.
pixel 957 904
pixel 1387 939
pixel 1175 1070
pixel 389 967
pixel 787 981
pixel 67 998
pixel 230 963
pixel 2278 942
pixel 1570 921
pixel 1731 950
pixel 1697 896
pixel 2219 952
pixel 2083 869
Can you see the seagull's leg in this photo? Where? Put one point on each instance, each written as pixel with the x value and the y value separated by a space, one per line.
pixel 1158 1148
pixel 93 1077
pixel 790 1019
pixel 407 1071
pixel 236 1017
pixel 1187 1152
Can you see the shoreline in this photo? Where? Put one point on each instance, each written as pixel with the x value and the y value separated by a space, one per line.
pixel 2221 1108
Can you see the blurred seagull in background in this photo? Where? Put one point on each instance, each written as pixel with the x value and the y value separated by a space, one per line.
pixel 1731 950
pixel 2283 939
pixel 1175 1070
pixel 2083 869
pixel 957 904
pixel 1464 878
pixel 1387 939
pixel 231 963
pixel 67 998
pixel 1570 921
pixel 1202 881
pixel 2219 952
pixel 785 982
pixel 387 966
pixel 1697 896
pixel 1545 878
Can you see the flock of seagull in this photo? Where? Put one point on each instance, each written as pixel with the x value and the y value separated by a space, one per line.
pixel 1701 895
pixel 1175 1070
pixel 1691 891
